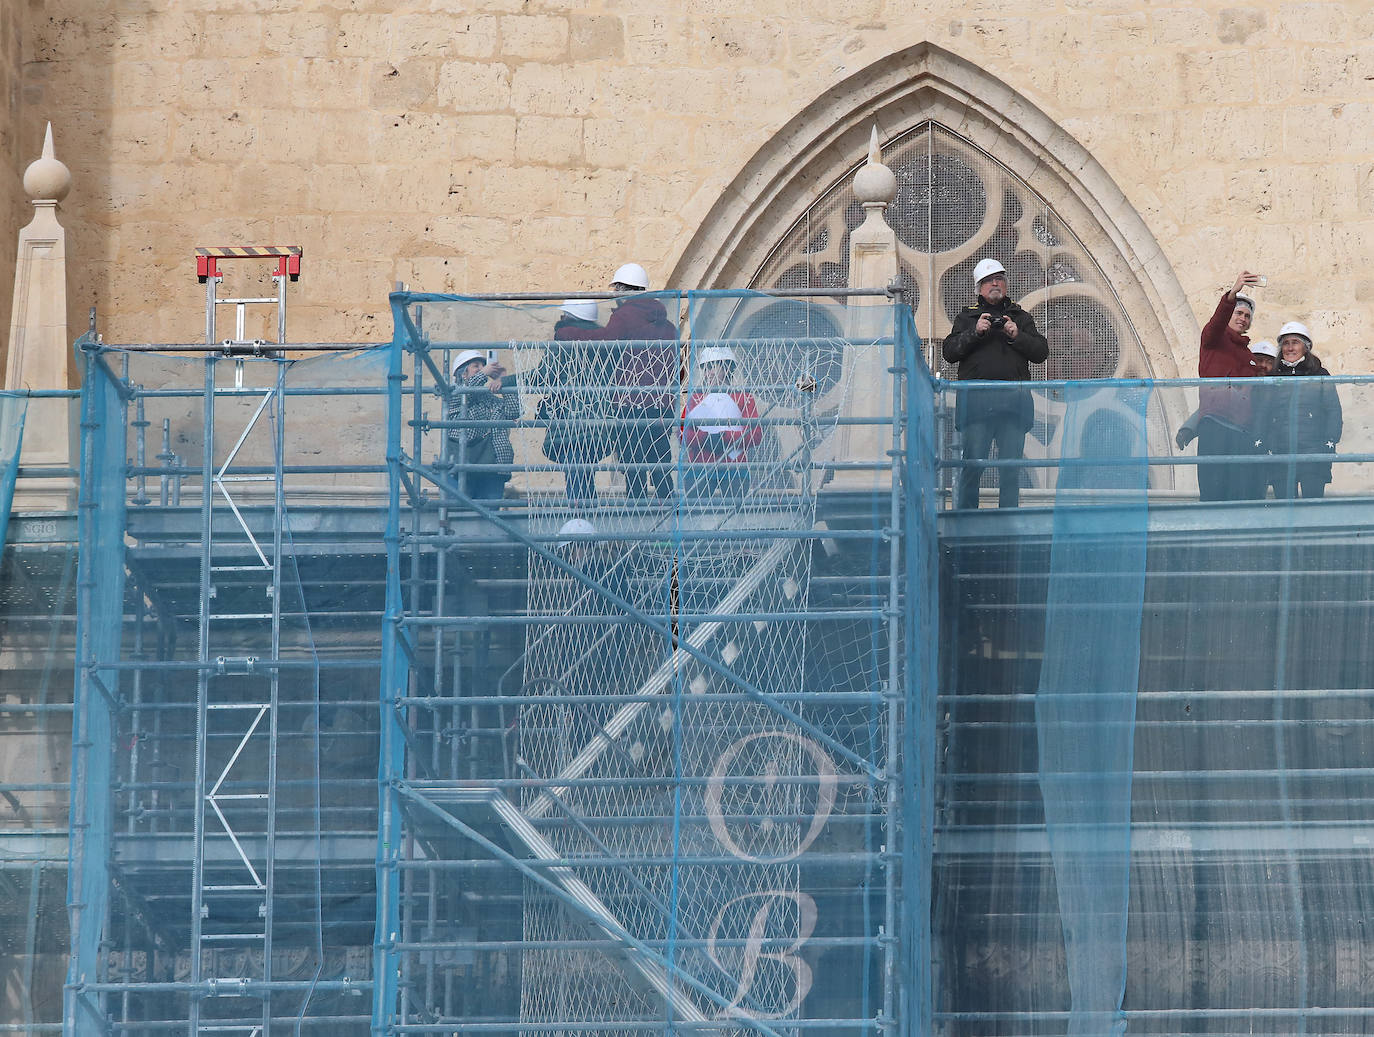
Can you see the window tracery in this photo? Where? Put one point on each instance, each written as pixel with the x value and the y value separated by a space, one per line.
pixel 956 204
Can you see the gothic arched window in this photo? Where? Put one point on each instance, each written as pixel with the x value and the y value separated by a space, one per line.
pixel 955 205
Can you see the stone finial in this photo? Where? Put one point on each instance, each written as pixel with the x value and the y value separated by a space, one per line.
pixel 47 179
pixel 874 183
pixel 873 264
pixel 39 347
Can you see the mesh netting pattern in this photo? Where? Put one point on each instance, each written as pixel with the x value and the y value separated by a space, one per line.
pixel 698 797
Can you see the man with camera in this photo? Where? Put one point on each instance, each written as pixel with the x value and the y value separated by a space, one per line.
pixel 993 340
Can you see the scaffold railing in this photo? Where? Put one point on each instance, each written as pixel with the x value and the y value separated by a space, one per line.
pixel 689 772
pixel 642 678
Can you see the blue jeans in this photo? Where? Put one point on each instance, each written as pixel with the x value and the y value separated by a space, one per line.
pixel 1008 432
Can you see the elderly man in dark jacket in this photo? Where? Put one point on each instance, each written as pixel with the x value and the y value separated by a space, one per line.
pixel 993 340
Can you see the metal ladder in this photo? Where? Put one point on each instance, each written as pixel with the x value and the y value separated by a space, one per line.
pixel 237 695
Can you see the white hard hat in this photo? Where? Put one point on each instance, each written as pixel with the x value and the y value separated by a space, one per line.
pixel 1244 300
pixel 715 354
pixel 719 409
pixel 631 274
pixel 1265 348
pixel 582 309
pixel 1294 327
pixel 986 269
pixel 465 357
pixel 575 527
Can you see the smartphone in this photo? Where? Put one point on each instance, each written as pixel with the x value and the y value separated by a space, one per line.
pixel 491 356
pixel 1260 281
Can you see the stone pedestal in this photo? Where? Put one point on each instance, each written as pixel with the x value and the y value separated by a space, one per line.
pixel 872 264
pixel 39 346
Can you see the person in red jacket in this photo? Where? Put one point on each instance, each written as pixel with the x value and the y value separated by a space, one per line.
pixel 1224 427
pixel 719 427
pixel 648 376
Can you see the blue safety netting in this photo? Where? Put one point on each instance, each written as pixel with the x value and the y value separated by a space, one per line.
pixel 1148 811
pixel 689 743
pixel 13 407
pixel 98 687
pixel 579 719
pixel 919 693
pixel 1085 702
pixel 37 582
pixel 224 752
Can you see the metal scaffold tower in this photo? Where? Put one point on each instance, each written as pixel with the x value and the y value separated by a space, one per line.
pixel 525 675
pixel 197 759
pixel 238 689
pixel 681 795
pixel 382 728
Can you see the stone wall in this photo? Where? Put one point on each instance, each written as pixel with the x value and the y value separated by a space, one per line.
pixel 535 144
pixel 12 208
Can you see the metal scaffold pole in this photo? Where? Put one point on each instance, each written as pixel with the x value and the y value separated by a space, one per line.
pixel 233 903
pixel 688 621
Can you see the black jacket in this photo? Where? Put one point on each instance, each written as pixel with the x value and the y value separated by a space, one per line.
pixel 1302 418
pixel 994 357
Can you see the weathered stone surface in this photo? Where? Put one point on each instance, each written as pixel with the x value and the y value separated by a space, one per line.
pixel 408 84
pixel 542 141
pixel 596 37
pixel 474 86
pixel 534 37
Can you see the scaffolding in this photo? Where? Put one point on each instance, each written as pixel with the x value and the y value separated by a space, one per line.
pixel 417 689
pixel 640 773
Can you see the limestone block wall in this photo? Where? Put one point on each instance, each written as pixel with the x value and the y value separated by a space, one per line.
pixel 12 23
pixel 535 144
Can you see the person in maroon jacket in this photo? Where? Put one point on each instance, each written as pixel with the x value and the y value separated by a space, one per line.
pixel 1224 428
pixel 647 376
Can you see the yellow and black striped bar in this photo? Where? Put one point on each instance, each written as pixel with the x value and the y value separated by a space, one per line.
pixel 288 258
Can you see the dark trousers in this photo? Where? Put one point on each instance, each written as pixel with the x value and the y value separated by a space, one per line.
pixel 581 483
pixel 483 485
pixel 1008 432
pixel 1306 479
pixel 1221 481
pixel 487 487
pixel 729 479
pixel 645 444
pixel 580 473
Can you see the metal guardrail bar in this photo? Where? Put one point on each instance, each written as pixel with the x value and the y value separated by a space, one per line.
pixel 714 293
